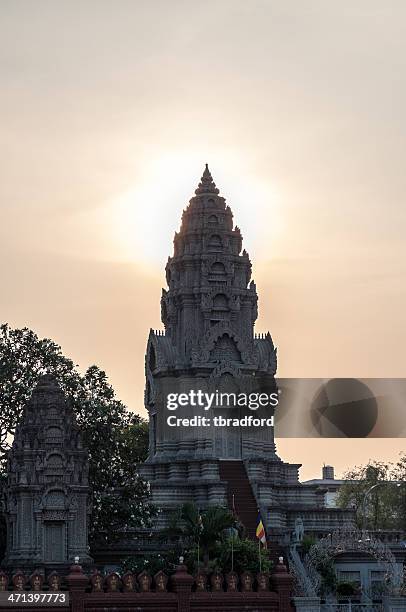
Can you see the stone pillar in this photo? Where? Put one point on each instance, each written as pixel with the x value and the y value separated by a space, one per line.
pixel 283 583
pixel 77 582
pixel 182 585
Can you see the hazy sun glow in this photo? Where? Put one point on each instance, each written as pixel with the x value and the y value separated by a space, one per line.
pixel 144 218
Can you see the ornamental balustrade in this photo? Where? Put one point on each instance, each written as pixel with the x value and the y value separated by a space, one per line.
pixel 180 592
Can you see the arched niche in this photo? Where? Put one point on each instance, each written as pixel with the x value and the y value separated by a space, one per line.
pixel 53 435
pixel 54 461
pixel 218 268
pixel 225 349
pixel 215 242
pixel 220 302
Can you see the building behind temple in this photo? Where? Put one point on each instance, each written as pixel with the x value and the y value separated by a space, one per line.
pixel 208 343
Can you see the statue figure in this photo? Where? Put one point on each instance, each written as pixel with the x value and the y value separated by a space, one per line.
pixel 263 581
pixel 113 582
pixel 246 581
pixel 160 581
pixel 201 581
pixel 128 582
pixel 3 581
pixel 232 582
pixel 19 581
pixel 54 582
pixel 36 581
pixel 216 581
pixel 97 581
pixel 144 581
pixel 298 533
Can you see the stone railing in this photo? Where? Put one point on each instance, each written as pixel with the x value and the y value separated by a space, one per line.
pixel 306 578
pixel 180 592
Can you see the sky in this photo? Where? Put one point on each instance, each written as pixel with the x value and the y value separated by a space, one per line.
pixel 109 111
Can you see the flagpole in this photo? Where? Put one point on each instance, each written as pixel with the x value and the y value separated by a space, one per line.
pixel 232 540
pixel 198 539
pixel 260 523
pixel 259 555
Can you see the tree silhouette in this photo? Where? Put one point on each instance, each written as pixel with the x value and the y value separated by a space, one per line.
pixel 117 439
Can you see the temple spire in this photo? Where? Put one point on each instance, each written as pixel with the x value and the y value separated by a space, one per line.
pixel 207 185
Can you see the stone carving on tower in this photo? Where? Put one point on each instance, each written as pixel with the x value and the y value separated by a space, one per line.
pixel 47 491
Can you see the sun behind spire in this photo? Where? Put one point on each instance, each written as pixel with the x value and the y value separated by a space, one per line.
pixel 207 185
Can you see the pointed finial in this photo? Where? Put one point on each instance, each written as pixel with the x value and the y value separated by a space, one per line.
pixel 207 185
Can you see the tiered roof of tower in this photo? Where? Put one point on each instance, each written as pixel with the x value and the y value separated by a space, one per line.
pixel 47 425
pixel 211 302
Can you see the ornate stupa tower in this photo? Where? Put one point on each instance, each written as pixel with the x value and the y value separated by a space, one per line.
pixel 208 344
pixel 47 492
pixel 209 311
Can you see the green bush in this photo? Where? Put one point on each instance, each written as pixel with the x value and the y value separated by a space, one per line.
pixel 346 589
pixel 246 556
pixel 307 543
pixel 151 563
pixel 324 564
